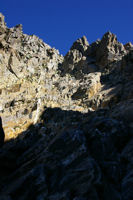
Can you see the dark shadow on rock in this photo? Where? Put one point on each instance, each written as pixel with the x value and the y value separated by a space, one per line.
pixel 2 134
pixel 68 155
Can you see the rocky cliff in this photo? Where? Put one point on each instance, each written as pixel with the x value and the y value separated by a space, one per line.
pixel 68 121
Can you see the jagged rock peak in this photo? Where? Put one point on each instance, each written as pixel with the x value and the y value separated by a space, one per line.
pixel 83 41
pixel 109 41
pixel 109 50
pixel 2 20
pixel 108 36
pixel 72 116
pixel 33 75
pixel 80 44
pixel 19 27
pixel 128 46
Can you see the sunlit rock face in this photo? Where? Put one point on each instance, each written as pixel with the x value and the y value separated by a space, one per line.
pixel 34 75
pixel 68 121
pixel 27 69
pixel 109 50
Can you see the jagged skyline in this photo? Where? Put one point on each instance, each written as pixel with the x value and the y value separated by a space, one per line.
pixel 67 121
pixel 60 23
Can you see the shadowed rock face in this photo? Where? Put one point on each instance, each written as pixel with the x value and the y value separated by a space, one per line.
pixel 70 155
pixel 2 134
pixel 68 121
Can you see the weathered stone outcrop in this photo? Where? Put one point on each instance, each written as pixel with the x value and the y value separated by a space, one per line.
pixel 34 75
pixel 25 62
pixel 68 121
pixel 109 50
pixel 70 155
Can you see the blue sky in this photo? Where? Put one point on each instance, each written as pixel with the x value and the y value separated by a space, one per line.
pixel 60 22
